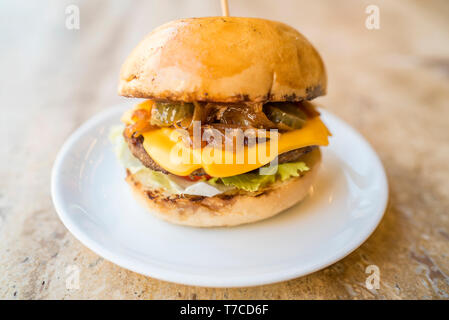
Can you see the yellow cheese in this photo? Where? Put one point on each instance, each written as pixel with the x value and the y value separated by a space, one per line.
pixel 164 146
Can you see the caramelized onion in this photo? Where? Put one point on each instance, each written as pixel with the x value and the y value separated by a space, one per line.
pixel 221 116
pixel 250 115
pixel 141 118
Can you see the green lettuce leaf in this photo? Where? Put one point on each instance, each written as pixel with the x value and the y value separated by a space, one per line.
pixel 291 169
pixel 248 181
pixel 254 181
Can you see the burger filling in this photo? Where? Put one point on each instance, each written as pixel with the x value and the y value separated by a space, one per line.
pixel 143 143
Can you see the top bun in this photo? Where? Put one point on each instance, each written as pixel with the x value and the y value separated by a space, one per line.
pixel 224 59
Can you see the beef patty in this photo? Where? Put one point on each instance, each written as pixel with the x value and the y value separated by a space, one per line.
pixel 137 149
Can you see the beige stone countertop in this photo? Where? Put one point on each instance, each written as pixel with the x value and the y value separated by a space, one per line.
pixel 391 84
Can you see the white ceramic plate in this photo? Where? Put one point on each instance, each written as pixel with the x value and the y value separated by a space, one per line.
pixel 345 205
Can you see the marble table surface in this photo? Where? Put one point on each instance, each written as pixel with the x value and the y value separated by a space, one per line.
pixel 391 84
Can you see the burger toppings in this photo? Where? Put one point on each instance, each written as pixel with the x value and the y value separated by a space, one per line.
pixel 284 116
pixel 204 185
pixel 287 115
pixel 253 181
pixel 151 134
pixel 165 114
pixel 135 145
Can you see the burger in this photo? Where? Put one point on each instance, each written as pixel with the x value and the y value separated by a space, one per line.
pixel 215 92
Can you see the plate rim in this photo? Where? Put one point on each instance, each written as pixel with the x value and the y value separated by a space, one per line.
pixel 203 280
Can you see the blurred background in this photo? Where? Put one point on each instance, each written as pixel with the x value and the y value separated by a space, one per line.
pixel 391 83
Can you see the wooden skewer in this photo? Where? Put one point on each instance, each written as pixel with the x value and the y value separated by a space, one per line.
pixel 225 8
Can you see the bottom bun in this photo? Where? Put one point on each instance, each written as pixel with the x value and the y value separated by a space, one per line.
pixel 228 210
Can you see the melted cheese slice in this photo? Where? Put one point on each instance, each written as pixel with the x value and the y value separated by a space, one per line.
pixel 166 147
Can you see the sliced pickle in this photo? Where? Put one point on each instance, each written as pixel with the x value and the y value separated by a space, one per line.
pixel 164 114
pixel 285 113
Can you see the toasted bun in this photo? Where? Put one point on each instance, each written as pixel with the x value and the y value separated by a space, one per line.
pixel 224 59
pixel 230 210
